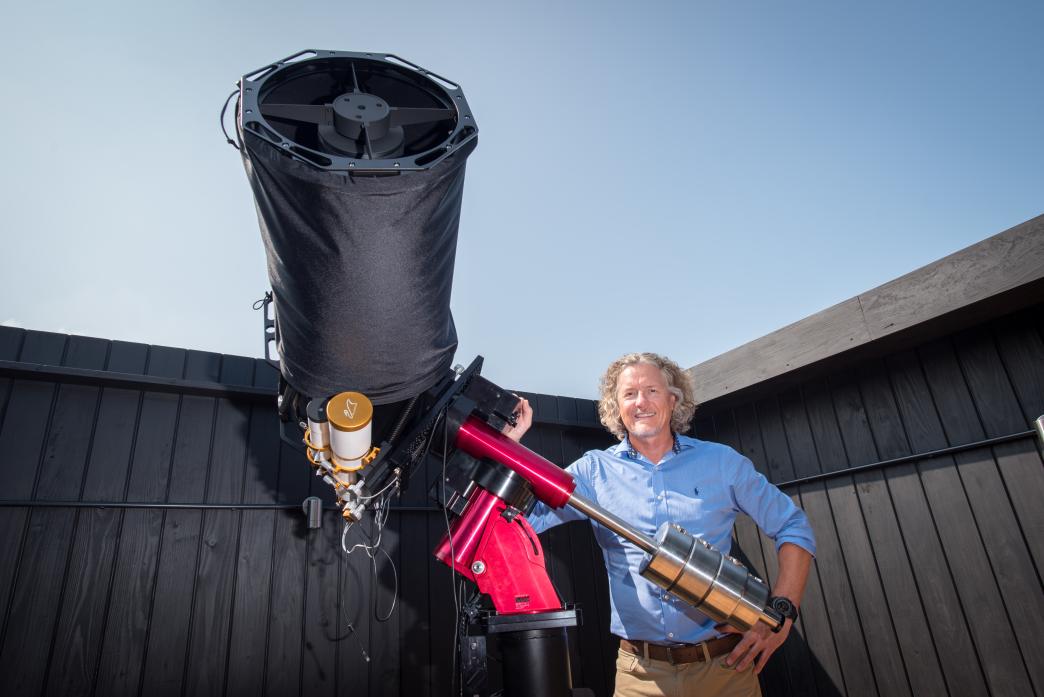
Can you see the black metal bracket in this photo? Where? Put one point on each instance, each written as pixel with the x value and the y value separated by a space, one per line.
pixel 270 329
pixel 404 454
pixel 335 119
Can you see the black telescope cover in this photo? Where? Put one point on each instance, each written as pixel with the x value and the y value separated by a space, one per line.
pixel 361 270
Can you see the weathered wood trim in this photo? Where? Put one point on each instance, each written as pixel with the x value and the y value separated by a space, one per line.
pixel 998 264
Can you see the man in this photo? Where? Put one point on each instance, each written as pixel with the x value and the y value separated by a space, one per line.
pixel 656 475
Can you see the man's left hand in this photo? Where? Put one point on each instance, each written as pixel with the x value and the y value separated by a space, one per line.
pixel 523 420
pixel 757 645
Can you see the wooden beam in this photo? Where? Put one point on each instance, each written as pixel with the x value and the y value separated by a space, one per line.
pixel 997 265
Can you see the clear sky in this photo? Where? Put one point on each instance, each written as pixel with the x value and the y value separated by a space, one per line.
pixel 681 177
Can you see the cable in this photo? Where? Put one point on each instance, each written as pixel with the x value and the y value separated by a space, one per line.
pixel 231 142
pixel 347 617
pixel 258 304
pixel 395 587
pixel 455 656
pixel 380 519
pixel 387 486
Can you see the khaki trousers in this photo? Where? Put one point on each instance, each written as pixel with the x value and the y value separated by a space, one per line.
pixel 644 677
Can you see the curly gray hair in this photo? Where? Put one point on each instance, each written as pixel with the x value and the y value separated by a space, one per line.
pixel 678 382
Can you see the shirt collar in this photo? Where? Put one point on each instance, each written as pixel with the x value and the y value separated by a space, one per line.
pixel 625 447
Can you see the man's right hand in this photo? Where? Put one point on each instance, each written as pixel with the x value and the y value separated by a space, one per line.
pixel 523 419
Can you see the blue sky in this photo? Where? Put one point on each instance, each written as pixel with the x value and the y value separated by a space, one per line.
pixel 681 177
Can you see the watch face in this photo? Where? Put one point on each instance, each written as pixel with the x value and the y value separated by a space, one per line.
pixel 784 607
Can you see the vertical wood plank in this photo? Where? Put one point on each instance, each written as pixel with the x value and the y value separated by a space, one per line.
pixel 889 545
pixel 558 542
pixel 1022 352
pixel 934 411
pixel 888 670
pixel 385 664
pixel 127 622
pixel 811 635
pixel 286 617
pixel 167 651
pixel 97 532
pixel 854 674
pixel 595 646
pixel 775 678
pixel 35 555
pixel 988 486
pixel 319 675
pixel 899 430
pixel 71 445
pixel 36 607
pixel 216 567
pixel 250 606
pixel 356 584
pixel 413 612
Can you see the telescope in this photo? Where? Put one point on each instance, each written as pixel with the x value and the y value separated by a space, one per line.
pixel 357 162
pixel 493 481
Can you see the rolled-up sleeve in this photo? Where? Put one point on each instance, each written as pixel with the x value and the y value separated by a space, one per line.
pixel 774 512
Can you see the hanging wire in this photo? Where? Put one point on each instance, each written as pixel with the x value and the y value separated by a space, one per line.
pixel 234 144
pixel 371 547
pixel 348 620
pixel 389 485
pixel 258 304
pixel 395 586
pixel 457 590
pixel 380 519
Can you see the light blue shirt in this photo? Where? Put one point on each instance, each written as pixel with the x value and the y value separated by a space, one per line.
pixel 699 485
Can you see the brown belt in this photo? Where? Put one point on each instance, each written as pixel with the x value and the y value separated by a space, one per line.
pixel 686 653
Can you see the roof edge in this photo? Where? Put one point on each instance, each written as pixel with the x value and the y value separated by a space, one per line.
pixel 992 267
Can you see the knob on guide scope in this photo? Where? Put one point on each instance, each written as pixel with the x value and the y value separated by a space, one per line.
pixel 356 161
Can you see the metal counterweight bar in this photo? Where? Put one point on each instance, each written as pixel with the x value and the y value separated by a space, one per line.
pixel 617 525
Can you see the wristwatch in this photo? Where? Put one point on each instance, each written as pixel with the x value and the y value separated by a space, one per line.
pixel 785 607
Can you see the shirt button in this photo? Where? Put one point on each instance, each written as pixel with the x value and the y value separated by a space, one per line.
pixel 660 497
pixel 665 596
pixel 670 635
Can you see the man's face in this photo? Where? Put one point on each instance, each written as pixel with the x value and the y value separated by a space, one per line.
pixel 645 402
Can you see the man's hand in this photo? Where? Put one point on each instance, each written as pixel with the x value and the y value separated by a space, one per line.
pixel 524 419
pixel 757 645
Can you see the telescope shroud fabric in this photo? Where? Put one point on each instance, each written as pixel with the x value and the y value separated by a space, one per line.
pixel 361 269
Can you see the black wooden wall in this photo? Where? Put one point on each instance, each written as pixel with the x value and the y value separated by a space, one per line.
pixel 199 576
pixel 928 574
pixel 927 581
